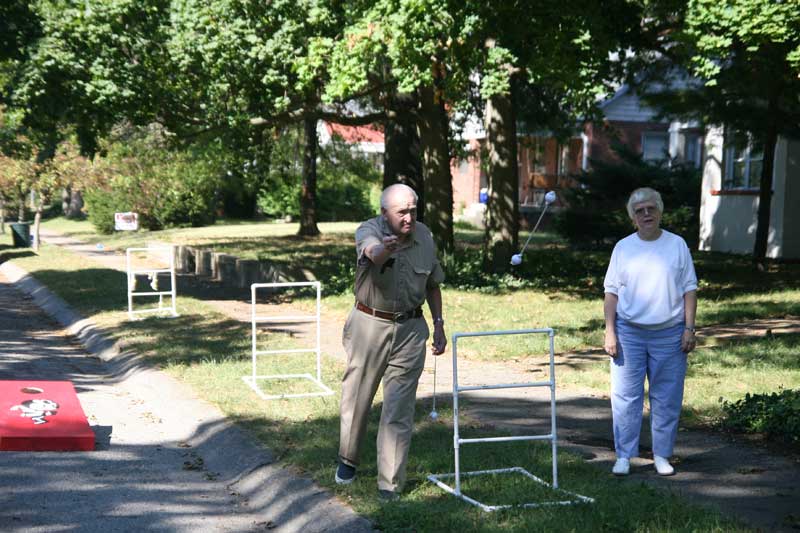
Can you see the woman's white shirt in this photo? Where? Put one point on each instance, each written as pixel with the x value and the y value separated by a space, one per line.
pixel 650 279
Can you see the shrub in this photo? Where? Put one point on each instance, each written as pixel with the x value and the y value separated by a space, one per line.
pixel 547 269
pixel 165 187
pixel 597 214
pixel 776 415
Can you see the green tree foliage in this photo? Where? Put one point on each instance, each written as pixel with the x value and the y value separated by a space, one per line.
pixel 94 64
pixel 597 214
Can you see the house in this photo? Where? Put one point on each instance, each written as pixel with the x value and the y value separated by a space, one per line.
pixel 546 163
pixel 364 140
pixel 730 189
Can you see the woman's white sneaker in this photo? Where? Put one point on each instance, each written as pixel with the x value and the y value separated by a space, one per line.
pixel 662 466
pixel 622 467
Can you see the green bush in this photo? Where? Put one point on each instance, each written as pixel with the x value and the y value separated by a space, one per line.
pixel 597 215
pixel 776 415
pixel 165 187
pixel 546 269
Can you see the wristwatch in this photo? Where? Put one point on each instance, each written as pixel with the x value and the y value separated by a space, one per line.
pixel 438 320
pixel 690 328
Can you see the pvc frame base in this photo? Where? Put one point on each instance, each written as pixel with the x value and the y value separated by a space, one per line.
pixel 251 382
pixel 164 312
pixel 577 498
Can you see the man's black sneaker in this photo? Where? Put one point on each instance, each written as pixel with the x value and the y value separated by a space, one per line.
pixel 345 474
pixel 388 496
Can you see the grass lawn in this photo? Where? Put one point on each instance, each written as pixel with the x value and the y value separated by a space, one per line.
pixel 555 287
pixel 211 353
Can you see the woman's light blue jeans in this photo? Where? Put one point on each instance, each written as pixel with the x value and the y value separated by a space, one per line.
pixel 656 354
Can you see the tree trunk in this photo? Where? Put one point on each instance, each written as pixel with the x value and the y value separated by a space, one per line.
pixel 2 215
pixel 502 220
pixel 432 126
pixel 21 207
pixel 765 198
pixel 308 195
pixel 71 202
pixel 66 197
pixel 76 204
pixel 37 219
pixel 401 156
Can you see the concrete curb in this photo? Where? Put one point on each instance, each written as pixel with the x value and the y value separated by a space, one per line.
pixel 89 335
pixel 229 453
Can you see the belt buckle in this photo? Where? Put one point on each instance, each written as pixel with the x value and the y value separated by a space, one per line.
pixel 401 317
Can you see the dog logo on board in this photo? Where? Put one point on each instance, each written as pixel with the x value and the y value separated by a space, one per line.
pixel 37 410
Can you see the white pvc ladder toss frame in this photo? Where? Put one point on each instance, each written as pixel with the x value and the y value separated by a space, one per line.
pixel 154 272
pixel 552 437
pixel 252 379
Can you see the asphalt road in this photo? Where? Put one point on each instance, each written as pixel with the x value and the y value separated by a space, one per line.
pixel 164 460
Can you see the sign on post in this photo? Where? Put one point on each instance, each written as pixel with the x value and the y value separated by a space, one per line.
pixel 126 221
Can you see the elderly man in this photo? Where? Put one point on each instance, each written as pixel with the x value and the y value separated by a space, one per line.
pixel 385 335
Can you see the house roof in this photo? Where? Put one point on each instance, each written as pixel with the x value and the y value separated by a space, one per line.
pixel 355 134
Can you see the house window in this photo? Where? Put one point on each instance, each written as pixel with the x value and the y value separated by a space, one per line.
pixel 744 158
pixel 563 160
pixel 536 156
pixel 655 146
pixel 693 149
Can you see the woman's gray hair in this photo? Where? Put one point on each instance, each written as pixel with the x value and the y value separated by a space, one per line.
pixel 391 190
pixel 643 194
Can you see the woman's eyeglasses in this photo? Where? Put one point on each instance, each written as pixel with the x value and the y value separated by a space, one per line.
pixel 644 210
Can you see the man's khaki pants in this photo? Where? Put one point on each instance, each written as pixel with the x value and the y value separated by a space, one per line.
pixel 378 348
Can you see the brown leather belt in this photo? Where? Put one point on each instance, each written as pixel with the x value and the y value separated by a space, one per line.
pixel 395 317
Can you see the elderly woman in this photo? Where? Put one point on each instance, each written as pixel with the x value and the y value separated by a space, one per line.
pixel 650 305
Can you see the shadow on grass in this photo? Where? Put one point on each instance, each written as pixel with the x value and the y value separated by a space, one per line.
pixel 737 312
pixel 9 253
pixel 777 352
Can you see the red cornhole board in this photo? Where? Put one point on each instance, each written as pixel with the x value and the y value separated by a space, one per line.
pixel 42 416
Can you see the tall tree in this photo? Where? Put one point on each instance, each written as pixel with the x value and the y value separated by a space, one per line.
pixel 412 48
pixel 541 67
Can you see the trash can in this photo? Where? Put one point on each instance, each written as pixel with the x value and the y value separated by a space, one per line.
pixel 21 233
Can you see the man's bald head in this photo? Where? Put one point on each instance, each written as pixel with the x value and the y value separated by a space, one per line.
pixel 399 208
pixel 397 192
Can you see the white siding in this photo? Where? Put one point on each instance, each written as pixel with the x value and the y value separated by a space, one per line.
pixel 626 107
pixel 728 222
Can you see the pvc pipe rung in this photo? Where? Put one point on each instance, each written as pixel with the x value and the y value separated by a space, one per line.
pixel 285 285
pixel 503 332
pixel 507 386
pixel 507 439
pixel 162 293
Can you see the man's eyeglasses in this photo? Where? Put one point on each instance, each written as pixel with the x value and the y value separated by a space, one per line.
pixel 644 210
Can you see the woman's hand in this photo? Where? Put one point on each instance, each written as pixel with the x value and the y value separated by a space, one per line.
pixel 610 343
pixel 688 341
